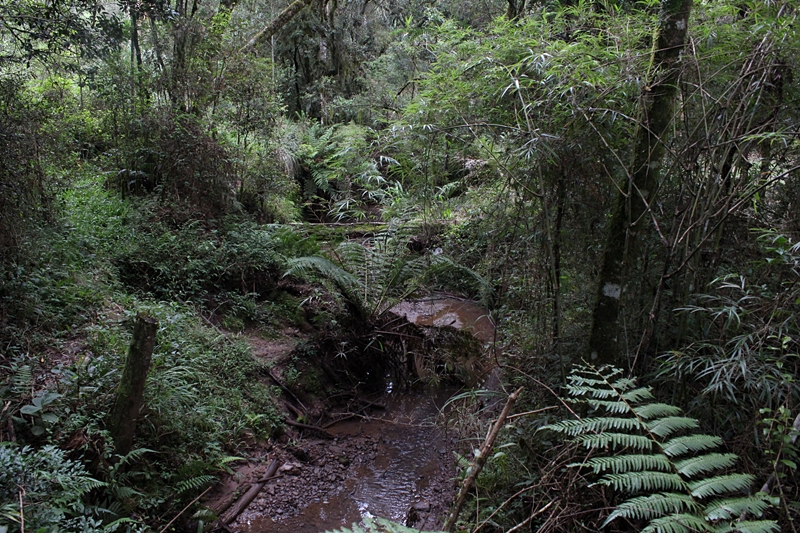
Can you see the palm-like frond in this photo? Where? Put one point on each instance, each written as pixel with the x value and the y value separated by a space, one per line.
pixel 672 473
pixel 374 275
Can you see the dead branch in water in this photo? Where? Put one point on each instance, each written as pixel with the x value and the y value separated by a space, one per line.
pixel 249 496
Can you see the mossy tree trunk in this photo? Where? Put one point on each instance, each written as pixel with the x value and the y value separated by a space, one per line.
pixel 283 18
pixel 122 422
pixel 631 211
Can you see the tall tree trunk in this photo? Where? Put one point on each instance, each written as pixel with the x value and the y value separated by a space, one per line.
pixel 630 213
pixel 130 393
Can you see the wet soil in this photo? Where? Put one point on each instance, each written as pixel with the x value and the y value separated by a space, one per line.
pixel 396 463
pixel 398 466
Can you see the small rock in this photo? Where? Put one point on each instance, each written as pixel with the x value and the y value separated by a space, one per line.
pixel 422 506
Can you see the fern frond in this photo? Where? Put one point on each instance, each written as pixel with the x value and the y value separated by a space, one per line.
pixel 648 480
pixel 654 506
pixel 690 444
pixel 194 483
pixel 627 463
pixel 577 427
pixel 671 478
pixel 344 280
pixel 610 406
pixel 717 485
pixel 664 427
pixel 678 523
pixel 638 395
pixel 616 441
pixel 625 385
pixel 749 526
pixel 601 394
pixel 21 379
pixel 730 508
pixel 705 463
pixel 653 410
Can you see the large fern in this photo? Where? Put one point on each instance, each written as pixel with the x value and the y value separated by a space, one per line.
pixel 677 481
pixel 377 273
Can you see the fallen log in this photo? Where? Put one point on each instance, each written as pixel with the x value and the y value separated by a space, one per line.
pixel 286 389
pixel 249 496
pixel 310 427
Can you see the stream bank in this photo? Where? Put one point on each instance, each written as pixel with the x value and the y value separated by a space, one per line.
pixel 392 458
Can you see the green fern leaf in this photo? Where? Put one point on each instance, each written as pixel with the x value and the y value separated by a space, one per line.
pixel 731 508
pixel 678 523
pixel 671 478
pixel 577 427
pixel 648 480
pixel 653 410
pixel 627 463
pixel 616 441
pixel 610 406
pixel 654 506
pixel 194 483
pixel 638 395
pixel 714 486
pixel 690 444
pixel 750 526
pixel 705 463
pixel 664 427
pixel 581 390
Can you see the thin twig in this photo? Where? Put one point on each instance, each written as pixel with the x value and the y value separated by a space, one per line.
pixel 182 510
pixel 531 517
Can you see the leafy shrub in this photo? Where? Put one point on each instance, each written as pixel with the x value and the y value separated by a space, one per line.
pixel 192 263
pixel 742 348
pixel 50 487
pixel 192 172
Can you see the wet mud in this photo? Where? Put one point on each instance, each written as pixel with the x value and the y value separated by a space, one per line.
pixel 397 463
pixel 398 466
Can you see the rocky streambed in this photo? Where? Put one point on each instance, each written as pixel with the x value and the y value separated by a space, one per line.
pixel 398 464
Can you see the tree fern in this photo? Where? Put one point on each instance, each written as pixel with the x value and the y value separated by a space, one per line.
pixel 376 274
pixel 678 483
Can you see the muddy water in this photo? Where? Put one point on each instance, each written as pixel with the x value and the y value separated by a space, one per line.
pixel 397 465
pixel 399 460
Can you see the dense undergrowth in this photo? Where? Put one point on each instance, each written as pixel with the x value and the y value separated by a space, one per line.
pixel 155 160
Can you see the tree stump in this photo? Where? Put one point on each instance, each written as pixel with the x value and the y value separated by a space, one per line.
pixel 122 422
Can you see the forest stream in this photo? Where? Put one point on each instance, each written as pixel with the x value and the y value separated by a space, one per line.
pixel 397 462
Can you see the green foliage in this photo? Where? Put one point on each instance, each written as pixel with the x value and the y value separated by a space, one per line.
pixel 50 488
pixel 742 349
pixel 679 485
pixel 377 273
pixel 337 170
pixel 49 31
pixel 200 264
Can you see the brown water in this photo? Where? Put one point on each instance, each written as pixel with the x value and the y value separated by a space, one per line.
pixel 412 464
pixel 399 460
